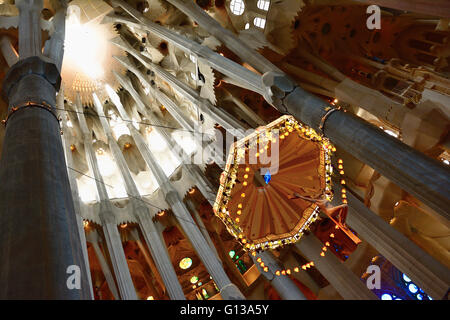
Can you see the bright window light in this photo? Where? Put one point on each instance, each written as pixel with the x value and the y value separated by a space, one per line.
pixel 386 296
pixel 84 46
pixel 237 7
pixel 263 4
pixel 259 22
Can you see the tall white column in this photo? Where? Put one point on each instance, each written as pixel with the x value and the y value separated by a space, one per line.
pixel 175 111
pixel 54 47
pixel 29 35
pixel 140 210
pixel 220 116
pixel 228 290
pixel 94 239
pixel 193 170
pixel 68 140
pixel 206 254
pixel 338 275
pixel 201 225
pixel 112 236
pixel 284 285
pixel 8 51
pixel 135 236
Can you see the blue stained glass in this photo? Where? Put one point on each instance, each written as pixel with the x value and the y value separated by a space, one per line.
pixel 406 278
pixel 386 296
pixel 267 177
pixel 413 288
pixel 420 297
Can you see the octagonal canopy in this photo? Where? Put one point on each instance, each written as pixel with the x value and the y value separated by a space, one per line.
pixel 263 172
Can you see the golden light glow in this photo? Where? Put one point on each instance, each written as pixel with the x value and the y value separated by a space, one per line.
pixel 185 263
pixel 78 38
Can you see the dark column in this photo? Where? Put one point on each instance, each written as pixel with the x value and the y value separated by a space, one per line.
pixel 423 177
pixel 39 238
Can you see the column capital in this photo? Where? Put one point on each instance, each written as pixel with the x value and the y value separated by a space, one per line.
pixel 39 66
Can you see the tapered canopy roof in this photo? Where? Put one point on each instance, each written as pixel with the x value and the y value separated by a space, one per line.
pixel 263 171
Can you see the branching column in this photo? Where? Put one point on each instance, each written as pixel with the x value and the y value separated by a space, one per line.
pixel 340 277
pixel 228 290
pixel 176 112
pixel 193 170
pixel 220 116
pixel 112 236
pixel 140 210
pixel 8 51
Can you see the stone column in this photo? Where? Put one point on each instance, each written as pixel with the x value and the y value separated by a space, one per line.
pixel 191 206
pixel 416 173
pixel 338 275
pixel 227 289
pixel 208 23
pixel 140 210
pixel 175 111
pixel 67 143
pixel 112 236
pixel 54 47
pixel 245 78
pixel 8 51
pixel 424 270
pixel 30 38
pixel 193 170
pixel 284 285
pixel 220 116
pixel 38 227
pixel 135 236
pixel 94 239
